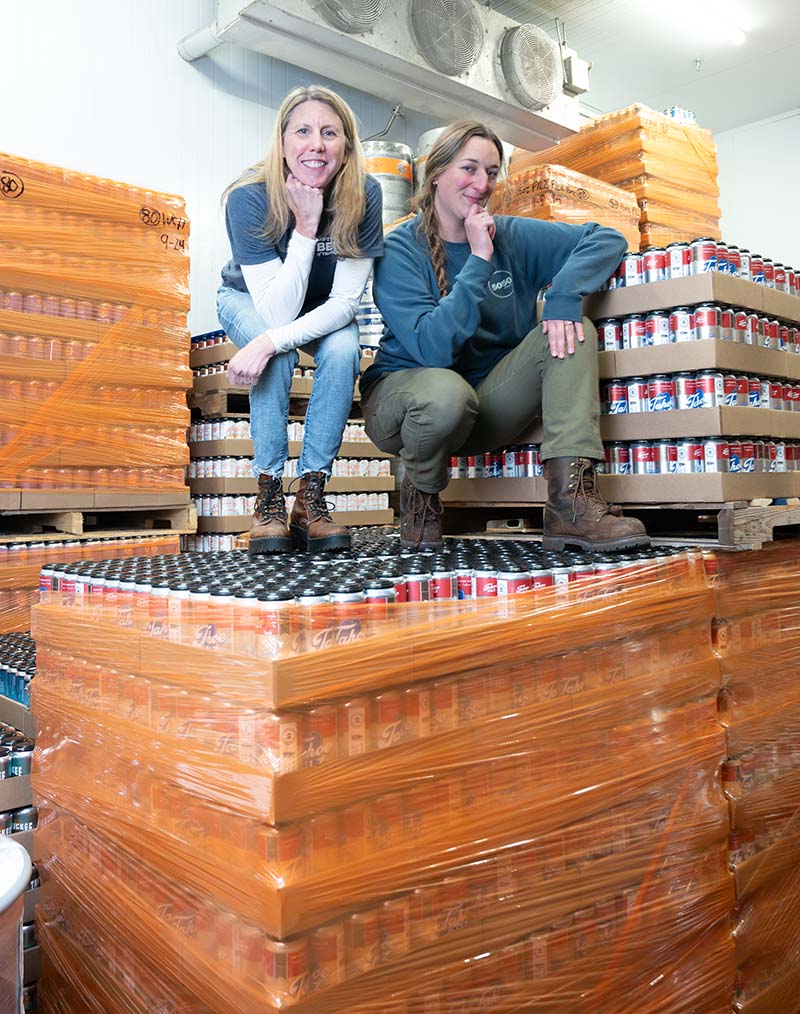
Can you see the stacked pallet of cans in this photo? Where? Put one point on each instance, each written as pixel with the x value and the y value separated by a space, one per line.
pixel 757 637
pixel 262 799
pixel 21 562
pixel 93 349
pixel 556 194
pixel 669 166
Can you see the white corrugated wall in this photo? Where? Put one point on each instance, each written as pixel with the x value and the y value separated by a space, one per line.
pixel 98 86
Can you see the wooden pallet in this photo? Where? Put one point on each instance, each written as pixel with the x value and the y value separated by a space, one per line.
pixel 738 525
pixel 114 521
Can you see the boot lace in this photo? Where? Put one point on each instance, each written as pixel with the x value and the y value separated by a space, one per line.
pixel 586 490
pixel 270 503
pixel 317 506
pixel 424 507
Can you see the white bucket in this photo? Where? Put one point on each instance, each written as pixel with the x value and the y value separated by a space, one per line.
pixel 15 873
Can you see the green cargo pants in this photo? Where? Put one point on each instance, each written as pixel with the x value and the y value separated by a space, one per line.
pixel 427 415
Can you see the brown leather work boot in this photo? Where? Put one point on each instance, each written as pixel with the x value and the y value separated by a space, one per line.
pixel 577 515
pixel 269 532
pixel 311 525
pixel 420 518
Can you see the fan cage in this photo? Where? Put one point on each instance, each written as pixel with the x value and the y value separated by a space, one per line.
pixel 352 16
pixel 531 63
pixel 448 33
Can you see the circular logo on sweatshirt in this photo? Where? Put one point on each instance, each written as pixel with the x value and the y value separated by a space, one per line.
pixel 501 284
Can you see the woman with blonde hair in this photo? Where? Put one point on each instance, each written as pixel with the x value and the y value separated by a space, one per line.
pixel 464 368
pixel 304 226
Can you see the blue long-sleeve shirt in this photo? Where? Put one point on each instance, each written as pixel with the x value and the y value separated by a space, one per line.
pixel 490 305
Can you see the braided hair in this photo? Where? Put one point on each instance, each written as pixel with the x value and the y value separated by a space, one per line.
pixel 445 150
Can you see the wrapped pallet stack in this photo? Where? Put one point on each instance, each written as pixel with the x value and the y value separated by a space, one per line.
pixel 757 636
pixel 670 167
pixel 553 193
pixel 93 341
pixel 253 804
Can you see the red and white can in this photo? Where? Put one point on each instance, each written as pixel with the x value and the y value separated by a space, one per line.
pixel 656 328
pixel 654 264
pixel 690 456
pixel 666 457
pixel 609 334
pixel 704 255
pixel 716 455
pixel 513 582
pixel 678 260
pixel 686 391
pixel 706 322
pixel 710 389
pixel 643 458
pixel 484 584
pixel 638 394
pixel 681 324
pixel 633 331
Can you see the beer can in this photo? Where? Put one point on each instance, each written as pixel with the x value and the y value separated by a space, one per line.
pixel 443 585
pixel 322 842
pixel 678 260
pixel 710 389
pixel 726 319
pixel 618 457
pixel 286 968
pixel 617 397
pixel 328 955
pixel 472 698
pixel 769 272
pixel 735 455
pixel 355 725
pixel 356 832
pixel 780 455
pixel 464 582
pixel 418 712
pixel 742 390
pixel 744 264
pixel 320 736
pixel 24 819
pixel 388 721
pixel 284 851
pixel 541 578
pixel 681 324
pixel 643 458
pixel 418 587
pixel 734 261
pixel 775 395
pixel 513 582
pixel 740 326
pixel 686 395
pixel 283 734
pixel 631 269
pixel 484 583
pixel 704 255
pixel 730 390
pixel 654 264
pixel 748 456
pixel 394 928
pixel 707 322
pixel 656 328
pixel 638 394
pixel 388 814
pixel 361 937
pixel 723 265
pixel 690 456
pixel 666 456
pixel 716 455
pixel 444 706
pixel 633 331
pixel 609 334
pixel 661 393
pixel 757 268
pixel 754 392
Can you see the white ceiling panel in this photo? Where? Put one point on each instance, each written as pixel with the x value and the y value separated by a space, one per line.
pixel 678 52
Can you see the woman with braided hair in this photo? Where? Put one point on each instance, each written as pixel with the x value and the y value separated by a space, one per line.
pixel 464 368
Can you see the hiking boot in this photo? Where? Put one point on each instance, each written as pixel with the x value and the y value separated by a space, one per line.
pixel 269 532
pixel 311 525
pixel 420 518
pixel 577 515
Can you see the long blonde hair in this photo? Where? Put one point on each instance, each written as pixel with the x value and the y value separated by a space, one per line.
pixel 346 200
pixel 445 150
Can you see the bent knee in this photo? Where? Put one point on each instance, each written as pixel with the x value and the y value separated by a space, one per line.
pixel 446 399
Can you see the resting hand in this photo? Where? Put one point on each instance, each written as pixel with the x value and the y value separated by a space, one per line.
pixel 249 363
pixel 561 334
pixel 480 228
pixel 305 203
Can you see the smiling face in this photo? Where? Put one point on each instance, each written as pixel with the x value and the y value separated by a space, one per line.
pixel 468 180
pixel 314 143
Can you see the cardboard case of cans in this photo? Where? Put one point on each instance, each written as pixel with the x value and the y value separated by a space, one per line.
pixel 757 636
pixel 367 806
pixel 556 194
pixel 669 166
pixel 93 340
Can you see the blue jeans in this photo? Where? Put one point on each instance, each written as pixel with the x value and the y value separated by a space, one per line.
pixel 337 359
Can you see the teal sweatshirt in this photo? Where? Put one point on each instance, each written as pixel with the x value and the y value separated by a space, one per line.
pixel 490 305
